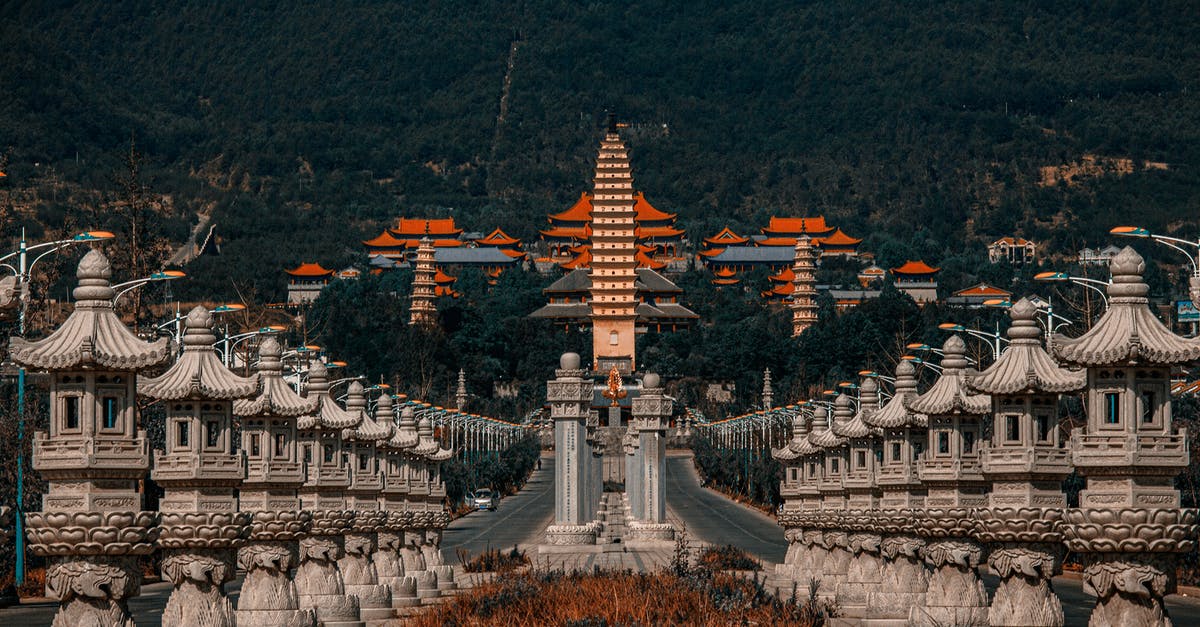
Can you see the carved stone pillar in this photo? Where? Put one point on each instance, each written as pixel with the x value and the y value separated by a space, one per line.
pixel 318 579
pixel 569 396
pixel 863 574
pixel 358 571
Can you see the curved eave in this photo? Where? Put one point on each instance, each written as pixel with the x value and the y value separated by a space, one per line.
pixel 950 396
pixel 785 454
pixel 90 338
pixel 826 439
pixel 331 416
pixel 198 375
pixel 1127 332
pixel 894 415
pixel 1027 368
pixel 275 398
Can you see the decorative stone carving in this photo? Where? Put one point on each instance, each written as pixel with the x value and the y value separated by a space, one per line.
pixel 358 571
pixel 955 595
pixel 569 395
pixel 903 579
pixel 269 596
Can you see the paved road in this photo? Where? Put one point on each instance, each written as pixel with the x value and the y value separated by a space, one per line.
pixel 713 518
pixel 518 519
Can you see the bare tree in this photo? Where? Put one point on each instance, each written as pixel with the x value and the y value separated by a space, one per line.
pixel 142 249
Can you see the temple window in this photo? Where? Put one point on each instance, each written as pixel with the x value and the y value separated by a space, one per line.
pixel 71 413
pixel 833 465
pixel 1012 428
pixel 613 338
pixel 281 446
pixel 895 451
pixel 182 435
pixel 1112 408
pixel 255 449
pixel 212 433
pixel 943 443
pixel 1043 427
pixel 308 454
pixel 109 408
pixel 363 460
pixel 328 453
pixel 861 459
pixel 968 438
pixel 1149 407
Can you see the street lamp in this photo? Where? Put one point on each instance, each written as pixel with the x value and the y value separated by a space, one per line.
pixel 165 275
pixel 994 339
pixel 23 269
pixel 1092 284
pixel 1173 242
pixel 921 362
pixel 1048 325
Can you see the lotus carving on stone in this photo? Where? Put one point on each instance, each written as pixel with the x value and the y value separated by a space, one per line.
pixel 1130 530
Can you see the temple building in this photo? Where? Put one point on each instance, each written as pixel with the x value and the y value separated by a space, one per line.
pixel 400 242
pixel 611 284
pixel 1017 251
pixel 306 281
pixel 978 295
pixel 727 254
pixel 917 279
pixel 569 239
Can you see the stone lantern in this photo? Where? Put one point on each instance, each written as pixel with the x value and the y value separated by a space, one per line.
pixel 358 569
pixel 429 457
pixel 1129 526
pixel 274 471
pixel 903 579
pixel 833 498
pixel 398 479
pixel 92 527
pixel 954 482
pixel 862 573
pixel 199 472
pixel 801 472
pixel 318 578
pixel 387 558
pixel 1027 462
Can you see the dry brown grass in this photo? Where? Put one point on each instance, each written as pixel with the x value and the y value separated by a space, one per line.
pixel 602 599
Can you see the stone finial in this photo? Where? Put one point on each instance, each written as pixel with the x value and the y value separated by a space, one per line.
pixel 1024 321
pixel 954 353
pixel 356 400
pixel 820 420
pixel 318 378
pixel 269 356
pixel 94 272
pixel 384 414
pixel 843 408
pixel 651 381
pixel 569 361
pixel 868 392
pixel 198 328
pixel 1127 268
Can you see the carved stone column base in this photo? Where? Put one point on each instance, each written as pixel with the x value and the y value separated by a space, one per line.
pixel 93 590
pixel 560 535
pixel 639 531
pixel 835 564
pixel 1025 595
pixel 404 592
pixel 359 573
pixel 955 595
pixel 862 575
pixel 903 582
pixel 1130 558
pixel 318 580
pixel 269 595
pixel 199 577
pixel 445 578
pixel 427 584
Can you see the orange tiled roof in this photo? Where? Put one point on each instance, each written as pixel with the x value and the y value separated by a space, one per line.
pixel 577 232
pixel 782 289
pixel 646 212
pixel 712 252
pixel 915 267
pixel 311 270
pixel 582 260
pixel 515 254
pixel 725 272
pixel 793 226
pixel 441 278
pixel 726 238
pixel 1012 241
pixel 983 289
pixel 497 238
pixel 838 239
pixel 786 276
pixel 385 240
pixel 658 231
pixel 419 227
pixel 581 211
pixel 442 290
pixel 647 262
pixel 647 248
pixel 726 281
pixel 777 241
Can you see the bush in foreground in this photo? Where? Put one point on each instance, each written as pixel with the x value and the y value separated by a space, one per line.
pixel 701 597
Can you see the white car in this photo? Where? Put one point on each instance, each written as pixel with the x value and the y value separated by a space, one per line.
pixel 484 499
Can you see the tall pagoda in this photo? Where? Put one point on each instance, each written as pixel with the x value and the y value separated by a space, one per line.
pixel 422 311
pixel 804 287
pixel 614 246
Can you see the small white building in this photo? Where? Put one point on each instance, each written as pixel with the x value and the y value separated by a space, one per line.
pixel 1017 251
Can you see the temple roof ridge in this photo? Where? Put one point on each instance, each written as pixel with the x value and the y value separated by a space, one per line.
pixel 405 436
pixel 92 336
pixel 198 373
pixel 827 436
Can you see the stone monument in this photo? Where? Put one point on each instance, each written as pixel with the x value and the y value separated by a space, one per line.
pixel 569 395
pixel 651 415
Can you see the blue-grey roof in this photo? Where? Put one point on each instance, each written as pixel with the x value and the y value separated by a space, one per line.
pixel 472 256
pixel 755 254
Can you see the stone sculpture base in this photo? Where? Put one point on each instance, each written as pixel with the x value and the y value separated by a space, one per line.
pixel 92 590
pixel 199 576
pixel 360 576
pixel 955 595
pixel 571 535
pixel 269 595
pixel 903 582
pixel 404 592
pixel 862 575
pixel 320 585
pixel 835 565
pixel 647 534
pixel 1025 595
pixel 445 578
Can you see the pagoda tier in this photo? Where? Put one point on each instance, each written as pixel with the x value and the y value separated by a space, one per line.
pixel 804 287
pixel 614 250
pixel 422 310
pixel 654 230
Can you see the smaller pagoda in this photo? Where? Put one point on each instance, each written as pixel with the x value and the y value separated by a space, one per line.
pixel 804 287
pixel 274 471
pixel 422 310
pixel 93 456
pixel 1027 463
pixel 951 473
pixel 306 281
pixel 199 472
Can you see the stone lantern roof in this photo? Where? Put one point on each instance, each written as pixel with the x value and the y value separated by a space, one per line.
pixel 93 336
pixel 368 430
pixel 1128 332
pixel 199 373
pixel 949 394
pixel 895 414
pixel 1025 366
pixel 275 396
pixel 406 435
pixel 329 416
pixel 868 402
pixel 801 443
pixel 823 435
pixel 426 446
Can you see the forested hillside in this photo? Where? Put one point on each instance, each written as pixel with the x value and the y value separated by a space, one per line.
pixel 301 127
